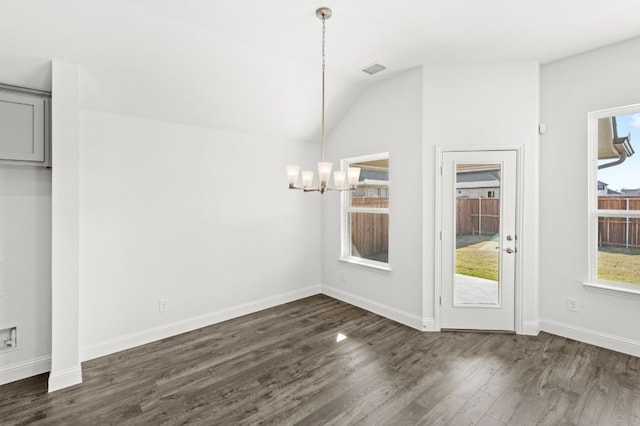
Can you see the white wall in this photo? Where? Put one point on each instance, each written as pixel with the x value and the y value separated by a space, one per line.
pixel 198 216
pixel 571 88
pixel 159 210
pixel 65 232
pixel 484 104
pixel 494 104
pixel 25 269
pixel 25 240
pixel 386 118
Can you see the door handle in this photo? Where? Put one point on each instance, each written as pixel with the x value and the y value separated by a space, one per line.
pixel 510 250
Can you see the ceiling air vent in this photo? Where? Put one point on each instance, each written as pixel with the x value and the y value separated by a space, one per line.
pixel 374 68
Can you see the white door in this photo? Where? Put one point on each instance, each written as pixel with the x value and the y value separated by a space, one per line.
pixel 478 240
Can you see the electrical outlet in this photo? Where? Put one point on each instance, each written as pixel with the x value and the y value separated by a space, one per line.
pixel 572 304
pixel 163 305
pixel 9 338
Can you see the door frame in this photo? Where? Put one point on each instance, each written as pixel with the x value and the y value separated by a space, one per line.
pixel 518 302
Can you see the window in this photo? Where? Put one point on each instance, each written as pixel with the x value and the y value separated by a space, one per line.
pixel 614 138
pixel 365 213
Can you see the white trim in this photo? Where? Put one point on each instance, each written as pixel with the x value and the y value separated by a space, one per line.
pixel 530 328
pixel 592 337
pixel 429 324
pixel 519 278
pixel 592 198
pixel 519 284
pixel 365 158
pixel 613 289
pixel 142 337
pixel 346 209
pixel 65 378
pixel 366 262
pixel 437 240
pixel 23 369
pixel 403 317
pixel 478 184
pixel 374 182
pixel 618 213
pixel 372 210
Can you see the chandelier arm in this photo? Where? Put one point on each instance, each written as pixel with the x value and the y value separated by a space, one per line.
pixel 341 189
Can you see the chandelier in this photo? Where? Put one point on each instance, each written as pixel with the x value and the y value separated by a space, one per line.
pixel 324 168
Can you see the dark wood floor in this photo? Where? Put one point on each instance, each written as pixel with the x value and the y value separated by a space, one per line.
pixel 284 366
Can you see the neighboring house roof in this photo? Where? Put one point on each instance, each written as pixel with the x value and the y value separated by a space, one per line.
pixel 630 191
pixel 479 176
pixel 373 175
pixel 603 186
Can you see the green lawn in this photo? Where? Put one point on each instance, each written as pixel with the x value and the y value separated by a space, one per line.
pixel 477 256
pixel 619 264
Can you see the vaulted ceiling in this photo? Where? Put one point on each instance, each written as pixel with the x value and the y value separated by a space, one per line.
pixel 253 66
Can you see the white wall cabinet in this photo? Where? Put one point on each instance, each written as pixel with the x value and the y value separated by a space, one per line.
pixel 23 128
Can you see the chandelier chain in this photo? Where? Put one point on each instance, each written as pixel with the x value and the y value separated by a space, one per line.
pixel 323 67
pixel 323 42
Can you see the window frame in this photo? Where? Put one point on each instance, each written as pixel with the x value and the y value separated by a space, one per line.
pixel 346 210
pixel 594 213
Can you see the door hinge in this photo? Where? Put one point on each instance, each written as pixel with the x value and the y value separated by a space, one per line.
pixel 440 235
pixel 440 300
pixel 440 170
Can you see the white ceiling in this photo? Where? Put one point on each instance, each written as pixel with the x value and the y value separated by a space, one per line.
pixel 253 66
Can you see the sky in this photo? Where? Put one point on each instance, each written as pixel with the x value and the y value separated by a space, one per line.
pixel 627 174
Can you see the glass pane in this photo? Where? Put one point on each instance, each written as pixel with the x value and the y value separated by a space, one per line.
pixel 618 163
pixel 370 236
pixel 373 186
pixel 619 249
pixel 477 256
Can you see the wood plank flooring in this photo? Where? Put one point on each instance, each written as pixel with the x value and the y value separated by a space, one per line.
pixel 284 366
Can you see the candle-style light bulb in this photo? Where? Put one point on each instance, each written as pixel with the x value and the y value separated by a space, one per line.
pixel 292 175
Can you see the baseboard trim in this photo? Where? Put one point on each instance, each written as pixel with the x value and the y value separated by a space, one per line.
pixel 22 370
pixel 597 338
pixel 65 378
pixel 403 317
pixel 531 328
pixel 429 324
pixel 142 337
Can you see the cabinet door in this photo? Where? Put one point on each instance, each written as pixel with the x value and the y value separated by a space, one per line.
pixel 21 127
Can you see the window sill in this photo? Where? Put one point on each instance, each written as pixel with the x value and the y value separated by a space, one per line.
pixel 364 262
pixel 614 289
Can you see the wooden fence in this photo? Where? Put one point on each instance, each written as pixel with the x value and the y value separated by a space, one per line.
pixel 377 202
pixel 370 232
pixel 619 231
pixel 478 216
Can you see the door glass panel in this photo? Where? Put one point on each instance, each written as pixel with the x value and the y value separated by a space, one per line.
pixel 477 254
